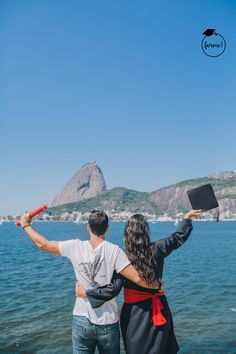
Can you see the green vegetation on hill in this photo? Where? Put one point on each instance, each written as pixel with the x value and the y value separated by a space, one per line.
pixel 117 199
pixel 217 184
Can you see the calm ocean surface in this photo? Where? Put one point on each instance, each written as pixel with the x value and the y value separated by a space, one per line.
pixel 37 289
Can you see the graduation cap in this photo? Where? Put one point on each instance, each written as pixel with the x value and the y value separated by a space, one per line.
pixel 203 197
pixel 209 32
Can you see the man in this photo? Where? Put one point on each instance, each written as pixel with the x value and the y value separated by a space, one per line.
pixel 94 262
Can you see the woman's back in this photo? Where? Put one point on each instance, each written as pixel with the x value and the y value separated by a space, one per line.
pixel 159 250
pixel 140 332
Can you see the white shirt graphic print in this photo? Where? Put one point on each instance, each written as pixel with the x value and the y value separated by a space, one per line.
pixel 95 267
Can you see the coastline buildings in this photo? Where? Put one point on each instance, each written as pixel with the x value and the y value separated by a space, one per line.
pixel 82 217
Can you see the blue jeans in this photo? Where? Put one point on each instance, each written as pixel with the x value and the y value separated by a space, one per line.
pixel 86 336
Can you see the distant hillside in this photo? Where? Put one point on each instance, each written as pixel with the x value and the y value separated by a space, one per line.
pixel 173 198
pixel 170 200
pixel 117 199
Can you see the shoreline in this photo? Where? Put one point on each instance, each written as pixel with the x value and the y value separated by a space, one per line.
pixel 120 220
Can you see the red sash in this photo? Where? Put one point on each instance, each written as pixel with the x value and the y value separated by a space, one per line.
pixel 131 296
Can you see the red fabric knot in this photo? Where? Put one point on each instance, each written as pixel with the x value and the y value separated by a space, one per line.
pixel 131 296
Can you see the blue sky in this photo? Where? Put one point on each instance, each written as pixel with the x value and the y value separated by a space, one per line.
pixel 124 83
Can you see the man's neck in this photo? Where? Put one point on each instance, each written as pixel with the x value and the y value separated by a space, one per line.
pixel 95 240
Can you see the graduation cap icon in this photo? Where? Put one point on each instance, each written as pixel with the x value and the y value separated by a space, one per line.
pixel 209 32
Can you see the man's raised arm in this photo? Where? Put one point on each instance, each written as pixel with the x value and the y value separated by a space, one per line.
pixel 39 240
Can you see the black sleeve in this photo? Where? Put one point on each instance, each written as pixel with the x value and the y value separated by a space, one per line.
pixel 167 245
pixel 98 295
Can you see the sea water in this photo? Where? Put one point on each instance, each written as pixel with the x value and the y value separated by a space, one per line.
pixel 37 289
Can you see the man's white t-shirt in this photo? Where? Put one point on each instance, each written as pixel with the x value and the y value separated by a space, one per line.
pixel 95 267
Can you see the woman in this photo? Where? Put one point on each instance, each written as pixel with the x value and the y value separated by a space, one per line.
pixel 146 320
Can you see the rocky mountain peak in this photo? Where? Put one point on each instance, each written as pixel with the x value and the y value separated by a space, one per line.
pixel 88 182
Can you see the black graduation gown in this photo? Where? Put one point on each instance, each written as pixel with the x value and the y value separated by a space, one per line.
pixel 139 334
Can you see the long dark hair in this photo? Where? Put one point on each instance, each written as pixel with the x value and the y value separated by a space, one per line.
pixel 139 248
